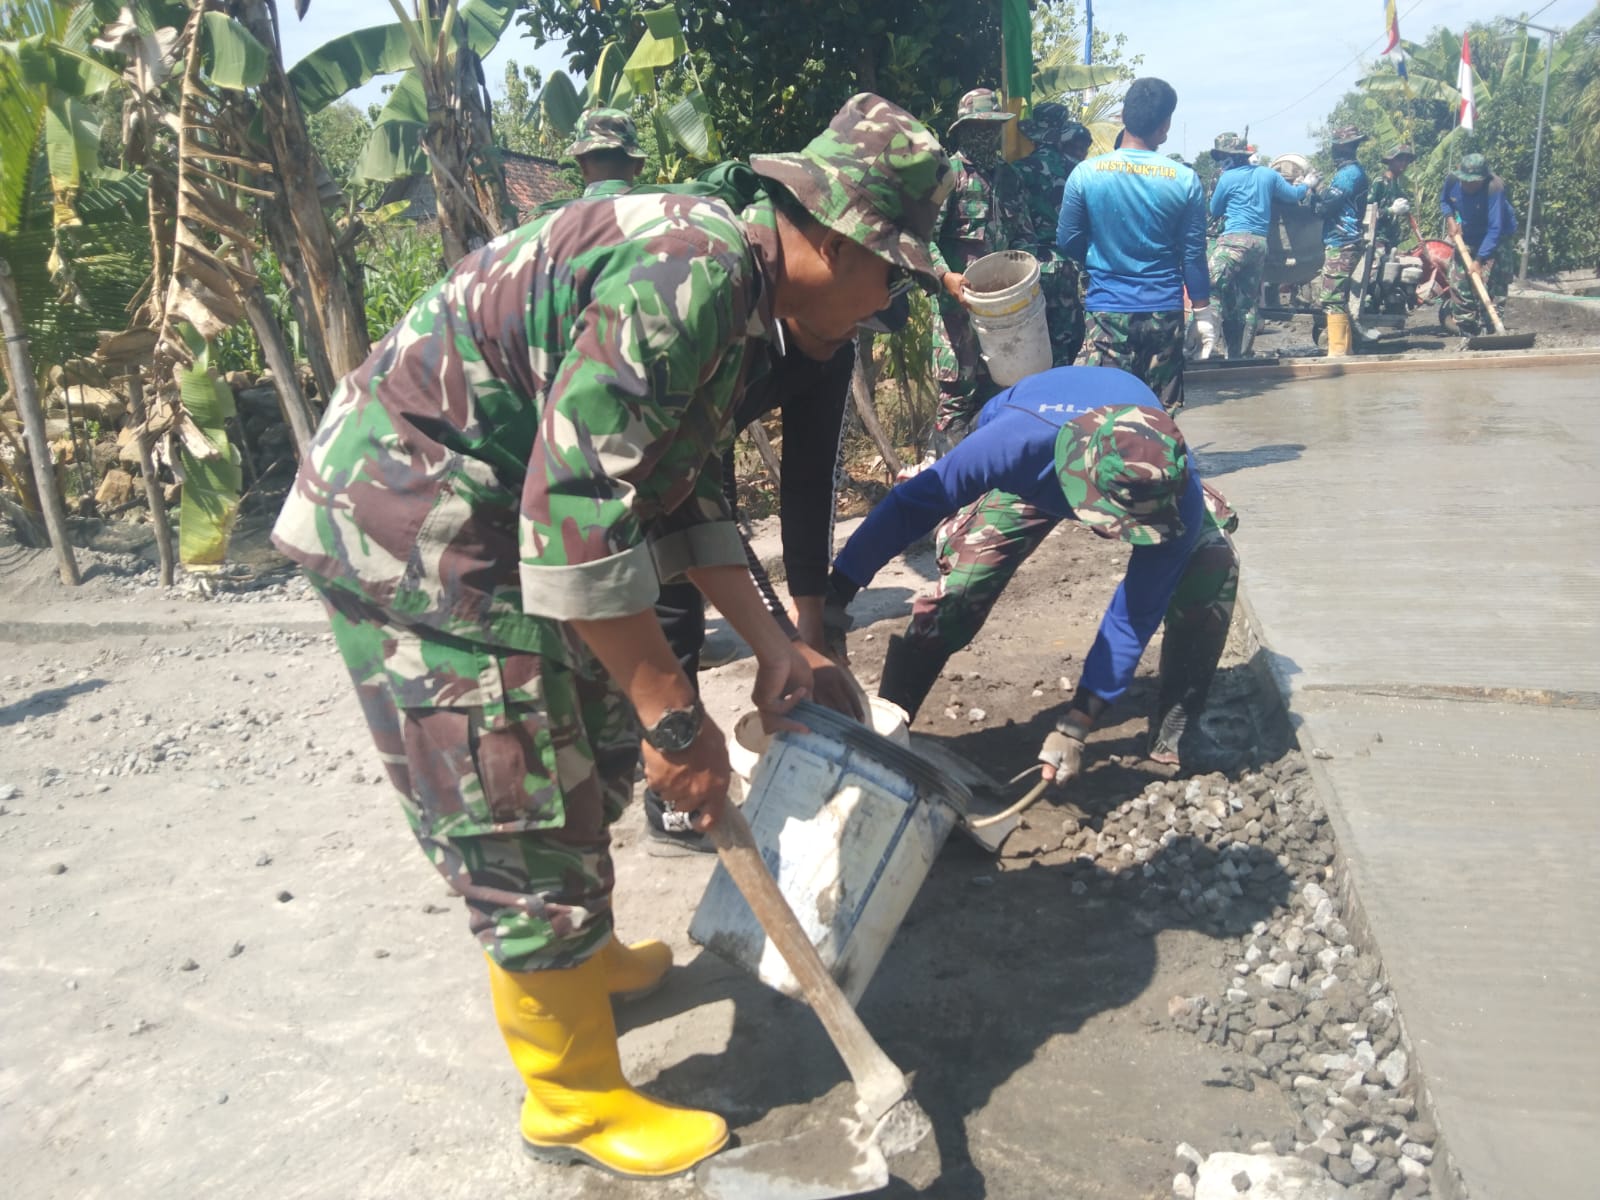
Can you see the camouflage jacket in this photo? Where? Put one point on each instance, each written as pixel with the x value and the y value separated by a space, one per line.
pixel 537 440
pixel 969 224
pixel 1028 193
pixel 605 187
pixel 1392 230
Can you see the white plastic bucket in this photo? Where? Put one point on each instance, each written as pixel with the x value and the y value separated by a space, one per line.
pixel 848 823
pixel 750 740
pixel 1007 311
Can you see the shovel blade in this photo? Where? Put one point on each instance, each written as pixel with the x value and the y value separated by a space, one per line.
pixel 805 1166
pixel 1500 341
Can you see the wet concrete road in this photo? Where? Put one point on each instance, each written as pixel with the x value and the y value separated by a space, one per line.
pixel 1421 554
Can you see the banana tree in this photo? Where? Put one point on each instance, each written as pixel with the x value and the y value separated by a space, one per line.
pixel 436 120
pixel 1060 78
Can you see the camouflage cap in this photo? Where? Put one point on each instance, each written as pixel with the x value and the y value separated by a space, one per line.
pixel 606 129
pixel 980 104
pixel 1474 168
pixel 1231 145
pixel 1344 135
pixel 1123 470
pixel 876 175
pixel 1399 151
pixel 1048 122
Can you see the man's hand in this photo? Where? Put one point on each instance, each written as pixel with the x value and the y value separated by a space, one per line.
pixel 1401 207
pixel 1482 266
pixel 1062 756
pixel 1311 179
pixel 955 283
pixel 1451 227
pixel 832 684
pixel 695 781
pixel 783 679
pixel 1205 323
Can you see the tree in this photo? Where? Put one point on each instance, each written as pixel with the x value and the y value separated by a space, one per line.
pixel 774 72
pixel 516 115
pixel 339 133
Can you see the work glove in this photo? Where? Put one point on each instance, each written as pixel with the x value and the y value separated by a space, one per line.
pixel 1311 179
pixel 1205 323
pixel 1062 753
pixel 1401 207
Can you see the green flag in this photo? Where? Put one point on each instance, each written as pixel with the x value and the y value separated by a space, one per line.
pixel 1016 35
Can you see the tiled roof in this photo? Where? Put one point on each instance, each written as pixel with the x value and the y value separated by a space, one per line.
pixel 531 180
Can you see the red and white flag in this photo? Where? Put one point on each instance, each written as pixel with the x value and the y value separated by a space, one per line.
pixel 1469 110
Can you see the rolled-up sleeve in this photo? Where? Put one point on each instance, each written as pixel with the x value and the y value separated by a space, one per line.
pixel 621 489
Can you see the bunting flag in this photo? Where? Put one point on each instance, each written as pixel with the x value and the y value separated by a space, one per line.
pixel 1392 21
pixel 1088 33
pixel 1469 111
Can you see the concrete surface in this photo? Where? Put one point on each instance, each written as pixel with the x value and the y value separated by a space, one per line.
pixel 1421 559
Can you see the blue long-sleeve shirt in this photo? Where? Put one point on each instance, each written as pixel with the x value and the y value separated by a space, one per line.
pixel 1486 218
pixel 1138 220
pixel 1343 206
pixel 1244 194
pixel 1013 450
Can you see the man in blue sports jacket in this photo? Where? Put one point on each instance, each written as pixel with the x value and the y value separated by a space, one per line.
pixel 1076 443
pixel 1138 220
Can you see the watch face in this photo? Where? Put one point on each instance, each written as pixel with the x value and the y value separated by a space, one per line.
pixel 676 730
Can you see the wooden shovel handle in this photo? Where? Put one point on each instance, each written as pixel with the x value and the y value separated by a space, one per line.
pixel 1477 282
pixel 879 1083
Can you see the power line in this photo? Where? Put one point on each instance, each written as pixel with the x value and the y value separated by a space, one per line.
pixel 1357 57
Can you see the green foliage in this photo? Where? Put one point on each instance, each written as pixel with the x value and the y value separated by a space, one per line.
pixel 774 72
pixel 1509 72
pixel 338 132
pixel 208 464
pixel 518 123
pixel 401 263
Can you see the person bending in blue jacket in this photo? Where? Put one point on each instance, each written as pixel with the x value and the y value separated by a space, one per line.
pixel 1473 203
pixel 1080 444
pixel 1138 220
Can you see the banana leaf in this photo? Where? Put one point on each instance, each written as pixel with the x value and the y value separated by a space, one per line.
pixel 688 123
pixel 394 147
pixel 560 104
pixel 211 476
pixel 660 45
pixel 1057 78
pixel 234 58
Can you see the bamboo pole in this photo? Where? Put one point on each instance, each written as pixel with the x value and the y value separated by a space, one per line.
pixel 861 393
pixel 291 400
pixel 26 392
pixel 769 456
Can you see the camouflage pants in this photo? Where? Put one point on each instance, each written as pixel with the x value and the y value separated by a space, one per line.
pixel 510 780
pixel 1236 263
pixel 1148 344
pixel 1465 305
pixel 958 367
pixel 983 545
pixel 1339 266
pixel 1063 307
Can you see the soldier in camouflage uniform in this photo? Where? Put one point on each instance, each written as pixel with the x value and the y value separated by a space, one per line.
pixel 1029 196
pixel 487 510
pixel 606 146
pixel 1074 443
pixel 969 227
pixel 1389 194
pixel 1342 204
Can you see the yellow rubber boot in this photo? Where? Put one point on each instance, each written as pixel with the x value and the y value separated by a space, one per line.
pixel 636 970
pixel 1338 334
pixel 579 1108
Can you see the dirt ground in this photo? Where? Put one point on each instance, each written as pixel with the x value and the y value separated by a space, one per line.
pixel 227 971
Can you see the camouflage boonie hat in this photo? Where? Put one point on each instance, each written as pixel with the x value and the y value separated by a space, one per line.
pixel 1048 122
pixel 1345 135
pixel 606 129
pixel 1230 145
pixel 876 175
pixel 1123 471
pixel 1474 168
pixel 980 104
pixel 1400 151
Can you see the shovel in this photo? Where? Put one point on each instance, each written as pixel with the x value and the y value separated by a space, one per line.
pixel 1499 339
pixel 891 1121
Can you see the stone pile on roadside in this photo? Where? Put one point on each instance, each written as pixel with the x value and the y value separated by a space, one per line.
pixel 1248 859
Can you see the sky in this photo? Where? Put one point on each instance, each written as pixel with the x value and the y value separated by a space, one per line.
pixel 1277 66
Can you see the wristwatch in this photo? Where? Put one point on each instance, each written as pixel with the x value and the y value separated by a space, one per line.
pixel 675 730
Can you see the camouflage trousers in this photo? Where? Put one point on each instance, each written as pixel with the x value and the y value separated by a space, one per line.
pixel 1147 344
pixel 510 778
pixel 1465 305
pixel 1236 262
pixel 1339 267
pixel 958 366
pixel 982 546
pixel 1063 307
